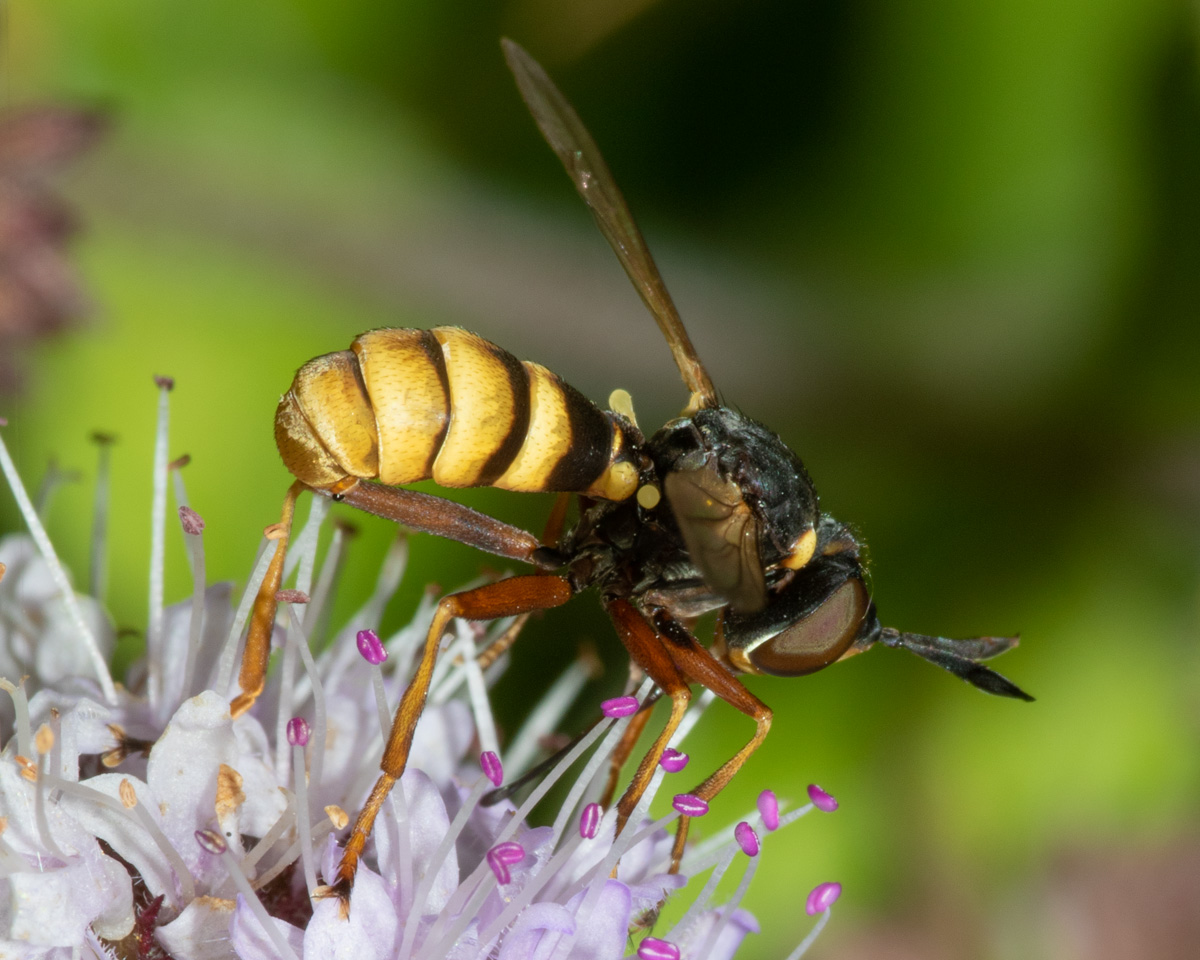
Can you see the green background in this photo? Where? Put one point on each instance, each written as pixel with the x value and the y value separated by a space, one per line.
pixel 949 251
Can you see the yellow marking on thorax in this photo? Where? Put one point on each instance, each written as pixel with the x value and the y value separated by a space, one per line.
pixel 481 407
pixel 619 401
pixel 618 482
pixel 410 401
pixel 548 438
pixel 648 496
pixel 802 550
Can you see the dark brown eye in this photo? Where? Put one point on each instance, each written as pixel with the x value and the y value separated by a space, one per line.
pixel 806 628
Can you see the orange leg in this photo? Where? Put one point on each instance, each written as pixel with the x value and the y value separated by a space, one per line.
pixel 621 753
pixel 253 672
pixel 504 598
pixel 651 653
pixel 418 511
pixel 698 665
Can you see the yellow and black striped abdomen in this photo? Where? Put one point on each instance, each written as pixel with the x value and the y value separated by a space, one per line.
pixel 406 405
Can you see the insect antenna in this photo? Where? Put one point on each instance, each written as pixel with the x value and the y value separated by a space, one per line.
pixel 961 658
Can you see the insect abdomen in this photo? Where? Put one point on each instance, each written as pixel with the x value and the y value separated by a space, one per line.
pixel 406 405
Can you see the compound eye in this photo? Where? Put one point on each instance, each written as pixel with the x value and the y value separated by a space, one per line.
pixel 785 646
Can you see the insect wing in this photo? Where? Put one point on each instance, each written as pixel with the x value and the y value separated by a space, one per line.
pixel 721 535
pixel 569 138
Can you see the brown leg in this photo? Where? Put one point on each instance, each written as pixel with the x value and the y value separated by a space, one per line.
pixel 699 666
pixel 489 655
pixel 557 520
pixel 504 598
pixel 418 511
pixel 262 619
pixel 650 652
pixel 426 513
pixel 620 755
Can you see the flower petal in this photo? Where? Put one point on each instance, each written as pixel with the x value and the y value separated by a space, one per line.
pixel 252 942
pixel 201 932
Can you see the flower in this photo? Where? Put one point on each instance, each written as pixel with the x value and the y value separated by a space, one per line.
pixel 145 821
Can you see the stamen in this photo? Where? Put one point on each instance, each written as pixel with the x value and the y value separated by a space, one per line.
pixel 481 705
pixel 57 574
pixel 98 579
pixel 672 760
pixel 318 695
pixel 738 894
pixel 822 897
pixel 502 856
pixel 24 732
pixel 224 672
pixel 371 648
pixel 689 805
pixel 652 948
pixel 297 735
pixel 326 579
pixel 619 707
pixel 158 537
pixel 271 837
pixel 215 844
pixel 768 808
pixel 589 821
pixel 193 527
pixel 820 799
pixel 492 768
pixel 44 739
pixel 746 838
pixel 55 478
pixel 808 941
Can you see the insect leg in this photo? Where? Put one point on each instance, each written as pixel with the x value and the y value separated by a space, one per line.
pixel 557 520
pixel 262 619
pixel 492 652
pixel 445 518
pixel 622 751
pixel 650 651
pixel 505 598
pixel 698 665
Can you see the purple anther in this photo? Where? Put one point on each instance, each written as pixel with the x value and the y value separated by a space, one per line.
pixel 820 799
pixel 689 805
pixel 672 760
pixel 822 897
pixel 180 462
pixel 291 596
pixel 3 421
pixel 619 707
pixel 164 383
pixel 211 841
pixel 651 948
pixel 589 821
pixel 747 839
pixel 489 763
pixel 298 732
pixel 371 648
pixel 191 520
pixel 768 809
pixel 499 869
pixel 508 853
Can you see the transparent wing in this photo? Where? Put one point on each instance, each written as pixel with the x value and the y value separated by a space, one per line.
pixel 721 535
pixel 568 137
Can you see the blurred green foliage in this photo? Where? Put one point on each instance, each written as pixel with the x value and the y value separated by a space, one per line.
pixel 967 238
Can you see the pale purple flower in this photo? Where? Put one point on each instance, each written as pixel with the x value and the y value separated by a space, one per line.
pixel 228 826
